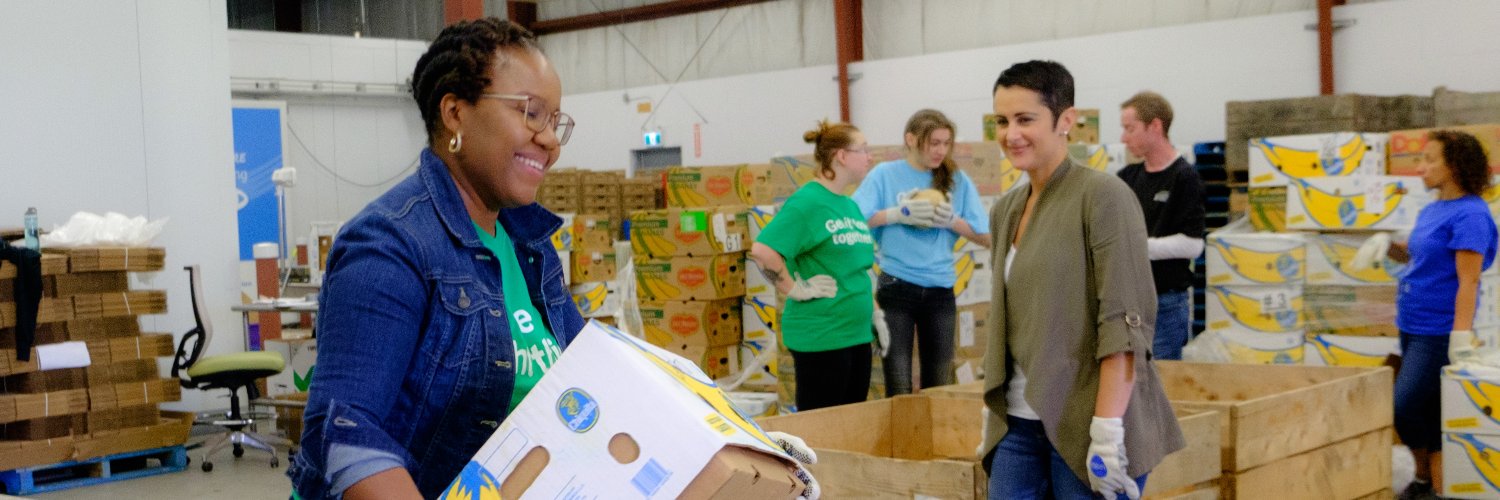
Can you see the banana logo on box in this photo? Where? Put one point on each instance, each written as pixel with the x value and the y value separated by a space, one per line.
pixel 654 285
pixel 1272 267
pixel 1336 355
pixel 1341 256
pixel 1338 210
pixel 1251 312
pixel 1486 460
pixel 964 267
pixel 591 300
pixel 1303 163
pixel 473 483
pixel 562 240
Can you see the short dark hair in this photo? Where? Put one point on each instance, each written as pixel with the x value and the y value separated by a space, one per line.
pixel 1048 78
pixel 1465 159
pixel 458 63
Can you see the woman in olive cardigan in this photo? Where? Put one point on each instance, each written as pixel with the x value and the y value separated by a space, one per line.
pixel 1074 405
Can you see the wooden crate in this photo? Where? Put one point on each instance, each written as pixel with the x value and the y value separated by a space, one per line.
pixel 1350 469
pixel 1245 120
pixel 1464 108
pixel 1270 412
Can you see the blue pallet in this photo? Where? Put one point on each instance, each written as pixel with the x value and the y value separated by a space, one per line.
pixel 106 469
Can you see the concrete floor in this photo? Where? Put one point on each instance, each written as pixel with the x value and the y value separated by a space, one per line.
pixel 247 478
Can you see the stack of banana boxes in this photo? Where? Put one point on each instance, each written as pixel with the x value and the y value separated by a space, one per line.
pixel 585 244
pixel 1282 285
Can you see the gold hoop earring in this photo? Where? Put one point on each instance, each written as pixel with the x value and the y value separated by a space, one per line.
pixel 456 143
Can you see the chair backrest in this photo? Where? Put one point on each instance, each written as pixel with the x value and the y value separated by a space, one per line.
pixel 191 347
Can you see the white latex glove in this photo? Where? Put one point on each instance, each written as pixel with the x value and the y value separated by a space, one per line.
pixel 1371 252
pixel 882 333
pixel 1107 462
pixel 1462 346
pixel 942 215
pixel 820 286
pixel 799 450
pixel 918 213
pixel 984 432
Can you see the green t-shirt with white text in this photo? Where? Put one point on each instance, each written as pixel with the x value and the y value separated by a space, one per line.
pixel 821 232
pixel 536 348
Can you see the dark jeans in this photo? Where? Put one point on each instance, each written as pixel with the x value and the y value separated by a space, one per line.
pixel 832 378
pixel 1174 324
pixel 926 314
pixel 1418 408
pixel 1027 467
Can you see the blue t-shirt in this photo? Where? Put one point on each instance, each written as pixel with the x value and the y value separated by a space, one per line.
pixel 917 255
pixel 1424 303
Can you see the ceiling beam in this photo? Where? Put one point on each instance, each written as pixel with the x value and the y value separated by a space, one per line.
pixel 1325 44
pixel 848 24
pixel 633 14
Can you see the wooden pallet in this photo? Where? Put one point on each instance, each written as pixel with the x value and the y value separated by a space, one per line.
pixel 106 469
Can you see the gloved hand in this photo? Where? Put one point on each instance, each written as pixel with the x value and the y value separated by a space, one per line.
pixel 799 450
pixel 942 215
pixel 1106 460
pixel 918 213
pixel 984 432
pixel 1462 346
pixel 820 286
pixel 882 334
pixel 1371 252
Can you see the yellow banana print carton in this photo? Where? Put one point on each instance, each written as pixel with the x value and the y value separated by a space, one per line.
pixel 599 299
pixel 1330 258
pixel 616 416
pixel 1262 309
pixel 594 233
pixel 1236 256
pixel 690 278
pixel 1362 202
pixel 759 216
pixel 562 240
pixel 696 187
pixel 973 285
pixel 1275 161
pixel 1406 146
pixel 762 320
pixel 1344 350
pixel 689 231
pixel 1267 209
pixel 591 266
pixel 1471 466
pixel 1471 398
pixel 707 332
pixel 1361 311
pixel 1263 348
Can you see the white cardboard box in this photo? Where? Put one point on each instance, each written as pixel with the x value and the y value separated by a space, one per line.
pixel 1263 309
pixel 599 299
pixel 1348 350
pixel 974 284
pixel 1470 398
pixel 301 357
pixel 1263 348
pixel 1249 258
pixel 1362 202
pixel 761 316
pixel 1471 466
pixel 1329 258
pixel 618 417
pixel 1274 161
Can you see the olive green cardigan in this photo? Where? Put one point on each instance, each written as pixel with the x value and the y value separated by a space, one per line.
pixel 1080 289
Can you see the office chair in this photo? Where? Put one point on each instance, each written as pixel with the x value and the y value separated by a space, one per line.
pixel 233 371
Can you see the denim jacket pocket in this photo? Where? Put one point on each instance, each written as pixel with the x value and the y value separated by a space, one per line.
pixel 459 324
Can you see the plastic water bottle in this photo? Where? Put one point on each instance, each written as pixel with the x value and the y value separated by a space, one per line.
pixel 31 241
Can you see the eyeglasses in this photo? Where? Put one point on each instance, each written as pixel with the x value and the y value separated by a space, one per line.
pixel 560 123
pixel 863 150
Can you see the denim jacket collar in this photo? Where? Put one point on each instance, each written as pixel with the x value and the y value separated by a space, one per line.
pixel 531 224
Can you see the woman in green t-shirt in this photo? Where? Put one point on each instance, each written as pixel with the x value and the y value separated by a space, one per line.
pixel 818 251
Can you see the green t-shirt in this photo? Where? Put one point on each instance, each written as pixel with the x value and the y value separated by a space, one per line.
pixel 536 349
pixel 821 232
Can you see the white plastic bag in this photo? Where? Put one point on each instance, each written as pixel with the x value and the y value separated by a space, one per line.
pixel 1207 347
pixel 111 229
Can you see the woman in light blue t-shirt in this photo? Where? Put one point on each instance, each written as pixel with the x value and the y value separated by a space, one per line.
pixel 1452 242
pixel 914 234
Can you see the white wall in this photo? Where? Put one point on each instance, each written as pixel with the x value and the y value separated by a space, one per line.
pixel 124 106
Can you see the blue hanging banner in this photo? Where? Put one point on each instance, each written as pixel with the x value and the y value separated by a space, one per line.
pixel 257 153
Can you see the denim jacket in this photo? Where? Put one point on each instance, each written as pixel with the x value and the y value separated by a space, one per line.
pixel 416 363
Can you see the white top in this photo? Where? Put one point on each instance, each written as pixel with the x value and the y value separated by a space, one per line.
pixel 1015 390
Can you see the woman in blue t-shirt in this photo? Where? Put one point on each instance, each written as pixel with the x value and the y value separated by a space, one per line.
pixel 916 208
pixel 1452 242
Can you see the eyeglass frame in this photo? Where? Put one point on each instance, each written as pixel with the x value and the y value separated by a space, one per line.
pixel 553 120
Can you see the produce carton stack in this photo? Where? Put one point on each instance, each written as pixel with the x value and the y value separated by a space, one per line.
pixel 1471 432
pixel 90 386
pixel 560 191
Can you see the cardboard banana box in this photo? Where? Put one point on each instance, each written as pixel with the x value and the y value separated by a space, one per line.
pixel 1276 161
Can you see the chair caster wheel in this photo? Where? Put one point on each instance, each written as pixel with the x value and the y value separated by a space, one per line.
pixel 275 463
pixel 208 466
pixel 239 451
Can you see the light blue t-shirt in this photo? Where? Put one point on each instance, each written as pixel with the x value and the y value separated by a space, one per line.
pixel 917 255
pixel 1424 301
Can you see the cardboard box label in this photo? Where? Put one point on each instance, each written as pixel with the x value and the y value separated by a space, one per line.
pixel 1266 309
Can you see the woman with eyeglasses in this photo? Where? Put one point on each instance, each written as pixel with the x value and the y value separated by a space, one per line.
pixel 917 208
pixel 818 251
pixel 444 301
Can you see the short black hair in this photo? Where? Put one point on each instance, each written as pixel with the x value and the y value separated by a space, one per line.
pixel 1465 158
pixel 1048 78
pixel 458 63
